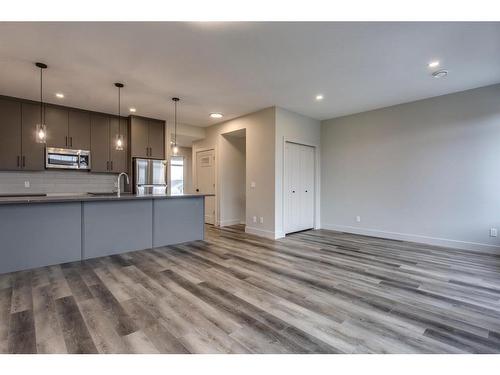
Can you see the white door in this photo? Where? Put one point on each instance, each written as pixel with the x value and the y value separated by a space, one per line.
pixel 299 187
pixel 205 181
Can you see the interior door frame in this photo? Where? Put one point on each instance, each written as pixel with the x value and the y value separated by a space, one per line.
pixel 216 176
pixel 317 182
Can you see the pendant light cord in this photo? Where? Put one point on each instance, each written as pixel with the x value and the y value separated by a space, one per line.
pixel 119 113
pixel 175 122
pixel 42 121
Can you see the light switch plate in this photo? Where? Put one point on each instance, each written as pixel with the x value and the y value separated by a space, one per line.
pixel 254 219
pixel 26 184
pixel 358 219
pixel 252 184
pixel 493 232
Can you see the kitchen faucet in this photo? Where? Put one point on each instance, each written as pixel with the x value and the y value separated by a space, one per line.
pixel 118 182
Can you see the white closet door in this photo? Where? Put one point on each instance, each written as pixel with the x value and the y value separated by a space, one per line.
pixel 292 177
pixel 299 187
pixel 307 187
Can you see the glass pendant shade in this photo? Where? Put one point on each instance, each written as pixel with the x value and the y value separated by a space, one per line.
pixel 119 142
pixel 175 149
pixel 41 133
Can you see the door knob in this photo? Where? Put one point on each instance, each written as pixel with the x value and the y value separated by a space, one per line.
pixel 197 190
pixel 293 191
pixel 306 191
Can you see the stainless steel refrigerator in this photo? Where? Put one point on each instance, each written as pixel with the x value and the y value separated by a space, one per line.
pixel 150 176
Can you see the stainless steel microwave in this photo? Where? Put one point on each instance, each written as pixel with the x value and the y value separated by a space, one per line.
pixel 64 158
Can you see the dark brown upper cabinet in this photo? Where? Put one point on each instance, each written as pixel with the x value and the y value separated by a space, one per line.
pixel 56 120
pixel 33 158
pixel 79 130
pixel 147 138
pixel 105 157
pixel 67 128
pixel 18 147
pixel 156 139
pixel 10 139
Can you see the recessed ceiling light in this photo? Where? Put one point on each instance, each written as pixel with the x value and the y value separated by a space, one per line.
pixel 319 97
pixel 216 115
pixel 440 74
pixel 60 95
pixel 433 64
pixel 133 110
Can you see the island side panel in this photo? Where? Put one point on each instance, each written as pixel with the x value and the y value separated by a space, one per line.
pixel 178 220
pixel 113 227
pixel 36 235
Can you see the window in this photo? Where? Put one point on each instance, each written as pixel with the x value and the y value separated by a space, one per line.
pixel 177 175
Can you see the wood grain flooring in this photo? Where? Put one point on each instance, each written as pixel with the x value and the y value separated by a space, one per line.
pixel 312 292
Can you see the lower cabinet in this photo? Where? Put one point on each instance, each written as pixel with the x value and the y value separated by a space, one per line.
pixel 116 227
pixel 36 235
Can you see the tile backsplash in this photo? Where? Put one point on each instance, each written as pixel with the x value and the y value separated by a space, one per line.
pixel 56 182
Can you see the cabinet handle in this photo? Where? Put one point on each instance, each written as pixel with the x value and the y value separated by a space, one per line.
pixel 66 140
pixel 24 161
pixel 107 165
pixel 18 157
pixel 111 164
pixel 71 141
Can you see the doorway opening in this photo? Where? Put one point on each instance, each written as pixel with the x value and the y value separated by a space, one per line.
pixel 232 192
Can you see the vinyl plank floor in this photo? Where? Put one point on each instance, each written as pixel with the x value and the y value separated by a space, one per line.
pixel 312 292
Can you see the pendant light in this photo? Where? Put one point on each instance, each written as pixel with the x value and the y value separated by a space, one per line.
pixel 175 149
pixel 119 141
pixel 41 128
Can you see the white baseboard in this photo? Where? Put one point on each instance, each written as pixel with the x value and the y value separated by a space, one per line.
pixel 445 242
pixel 225 223
pixel 260 232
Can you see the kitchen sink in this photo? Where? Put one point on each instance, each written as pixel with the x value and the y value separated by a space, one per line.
pixel 110 194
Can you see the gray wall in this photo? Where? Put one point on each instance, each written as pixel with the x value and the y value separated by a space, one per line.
pixel 56 182
pixel 294 127
pixel 260 133
pixel 427 171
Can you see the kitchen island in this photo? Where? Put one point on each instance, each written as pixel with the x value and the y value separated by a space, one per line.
pixel 39 231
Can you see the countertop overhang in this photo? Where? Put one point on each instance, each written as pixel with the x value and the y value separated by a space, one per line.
pixel 91 198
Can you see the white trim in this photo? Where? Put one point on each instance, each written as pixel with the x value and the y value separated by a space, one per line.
pixel 436 241
pixel 260 232
pixel 225 223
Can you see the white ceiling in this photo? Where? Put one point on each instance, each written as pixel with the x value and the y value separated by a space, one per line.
pixel 237 68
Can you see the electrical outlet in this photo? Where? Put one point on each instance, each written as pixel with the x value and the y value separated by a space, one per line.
pixel 26 184
pixel 493 232
pixel 358 219
pixel 262 220
pixel 254 219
